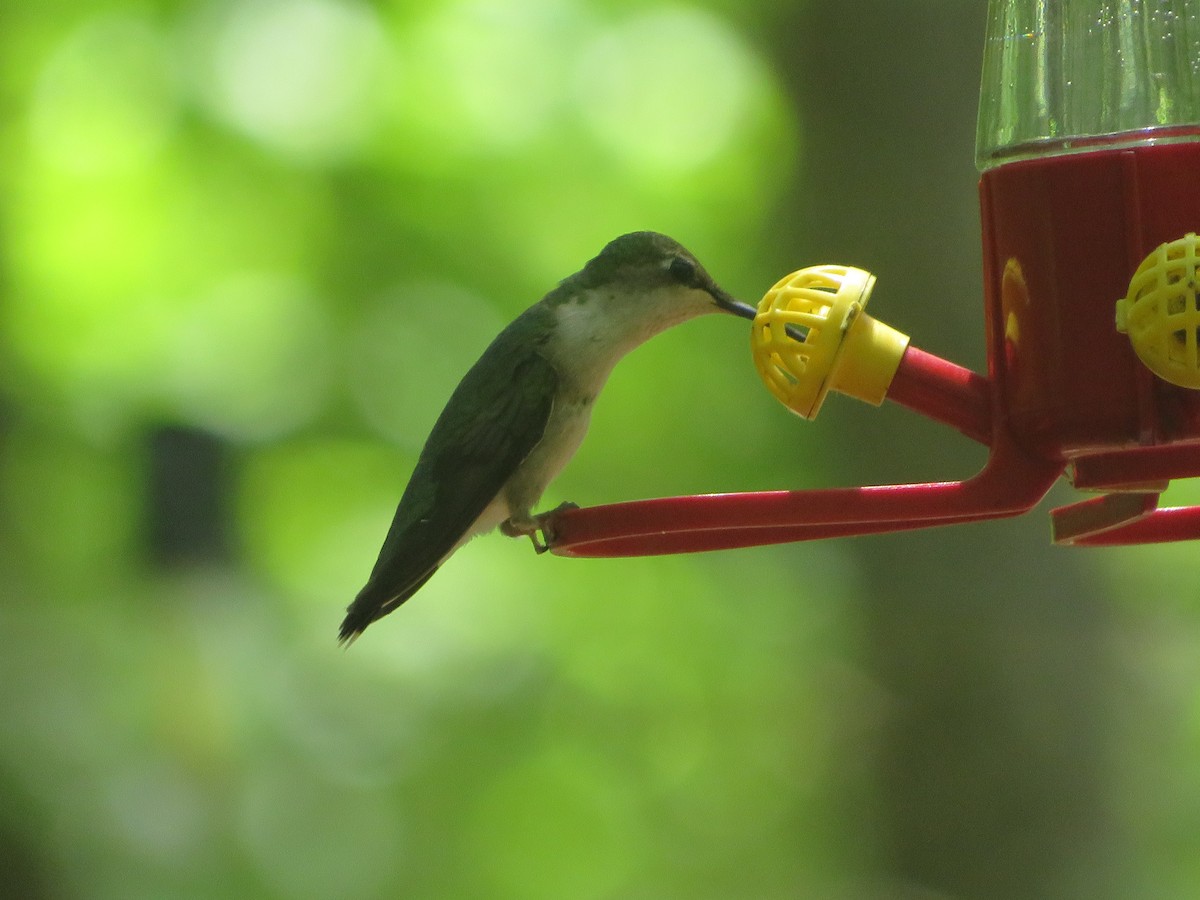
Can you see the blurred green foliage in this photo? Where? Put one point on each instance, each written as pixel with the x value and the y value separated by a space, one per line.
pixel 247 250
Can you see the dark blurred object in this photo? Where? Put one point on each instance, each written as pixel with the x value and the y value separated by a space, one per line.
pixel 22 872
pixel 187 520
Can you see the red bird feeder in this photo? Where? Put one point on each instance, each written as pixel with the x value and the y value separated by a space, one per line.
pixel 1089 143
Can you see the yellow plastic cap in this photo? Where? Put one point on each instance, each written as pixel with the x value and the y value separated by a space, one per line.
pixel 811 336
pixel 1159 314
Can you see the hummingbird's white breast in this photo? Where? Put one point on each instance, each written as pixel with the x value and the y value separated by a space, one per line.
pixel 590 336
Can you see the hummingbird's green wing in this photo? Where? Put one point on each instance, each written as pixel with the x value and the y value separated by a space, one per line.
pixel 494 418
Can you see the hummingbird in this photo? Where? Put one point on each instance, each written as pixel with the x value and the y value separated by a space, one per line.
pixel 520 413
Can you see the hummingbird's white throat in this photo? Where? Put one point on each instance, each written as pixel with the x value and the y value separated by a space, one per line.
pixel 595 330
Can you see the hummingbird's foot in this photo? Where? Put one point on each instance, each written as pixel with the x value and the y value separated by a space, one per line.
pixel 545 523
pixel 532 526
pixel 527 526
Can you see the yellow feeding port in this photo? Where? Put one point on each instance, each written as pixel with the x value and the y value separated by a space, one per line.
pixel 1159 313
pixel 811 336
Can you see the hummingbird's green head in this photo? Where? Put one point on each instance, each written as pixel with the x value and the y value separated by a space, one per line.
pixel 646 263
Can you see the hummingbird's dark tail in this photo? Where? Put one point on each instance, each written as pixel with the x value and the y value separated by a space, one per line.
pixel 372 603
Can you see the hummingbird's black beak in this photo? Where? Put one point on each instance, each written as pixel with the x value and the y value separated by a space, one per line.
pixel 730 305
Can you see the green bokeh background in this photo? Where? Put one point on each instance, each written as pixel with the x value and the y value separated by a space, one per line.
pixel 246 251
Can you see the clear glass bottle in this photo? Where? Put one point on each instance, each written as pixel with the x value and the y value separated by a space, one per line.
pixel 1062 76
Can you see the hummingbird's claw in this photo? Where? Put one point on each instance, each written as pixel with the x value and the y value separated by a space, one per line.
pixel 545 523
pixel 542 523
pixel 525 527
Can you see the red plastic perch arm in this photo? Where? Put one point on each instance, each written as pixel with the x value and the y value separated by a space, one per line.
pixel 1178 523
pixel 1011 483
pixel 1140 524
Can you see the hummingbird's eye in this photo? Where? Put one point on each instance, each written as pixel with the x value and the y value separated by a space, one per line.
pixel 683 270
